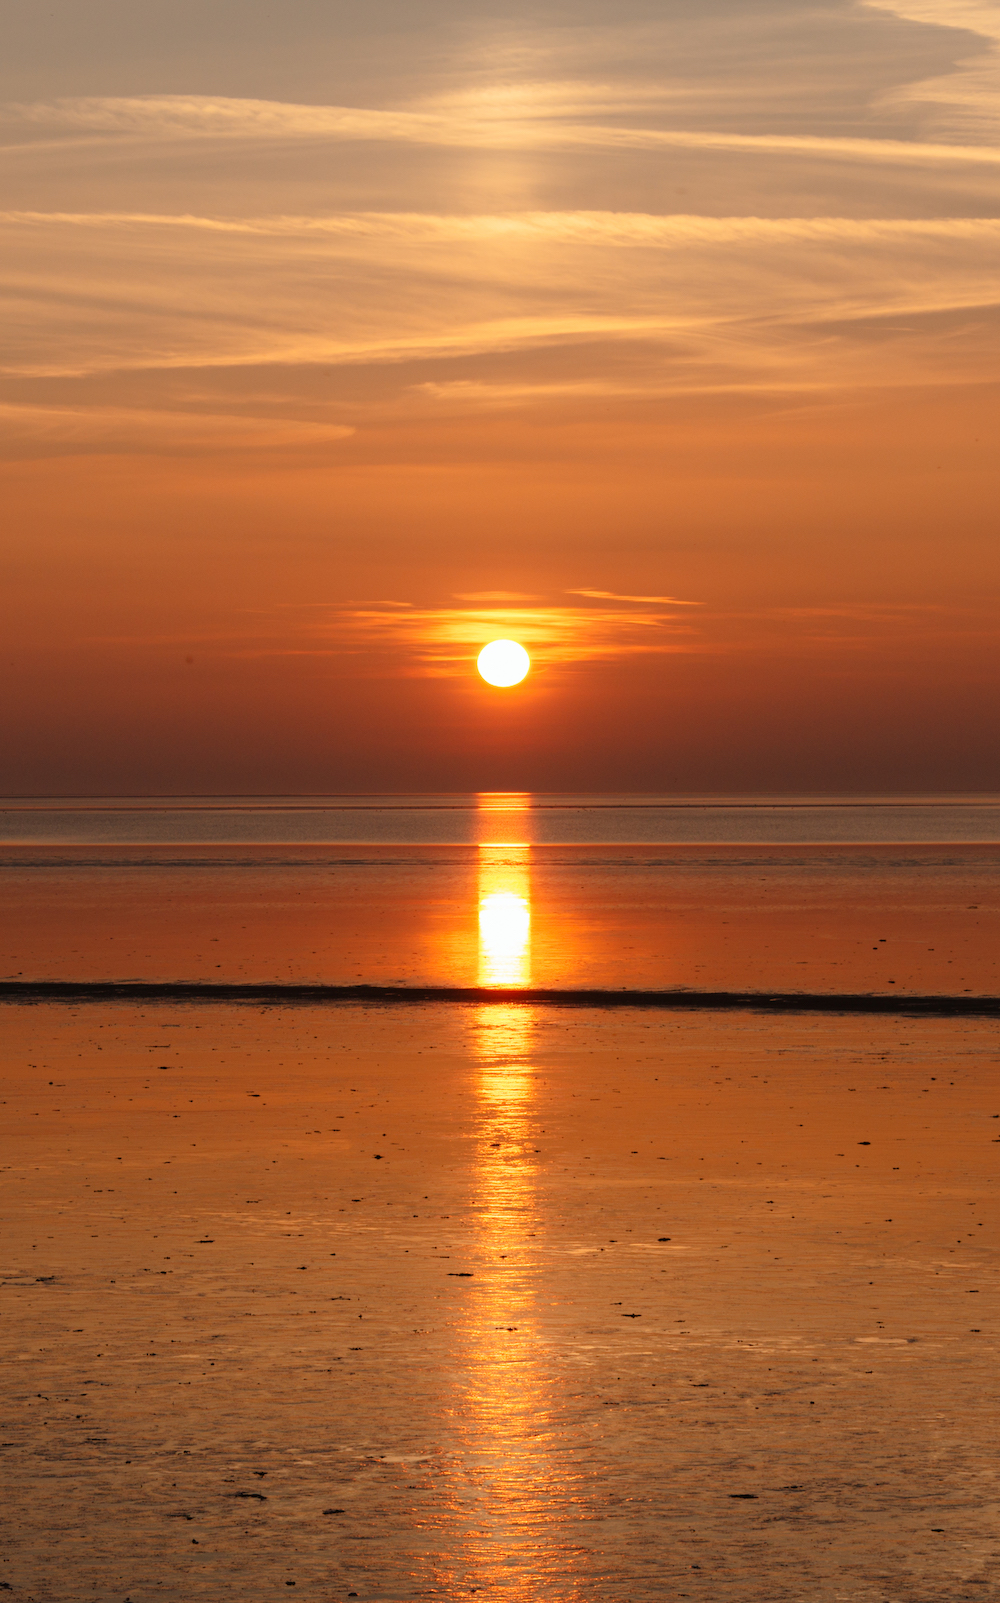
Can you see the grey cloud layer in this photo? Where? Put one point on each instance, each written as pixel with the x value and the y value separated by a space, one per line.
pixel 755 61
pixel 964 103
pixel 547 206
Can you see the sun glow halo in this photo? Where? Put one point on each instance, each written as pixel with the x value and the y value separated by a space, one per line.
pixel 503 663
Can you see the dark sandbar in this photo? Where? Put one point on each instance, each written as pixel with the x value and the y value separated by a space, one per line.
pixel 680 1000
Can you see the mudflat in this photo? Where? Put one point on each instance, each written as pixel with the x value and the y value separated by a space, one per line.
pixel 453 1300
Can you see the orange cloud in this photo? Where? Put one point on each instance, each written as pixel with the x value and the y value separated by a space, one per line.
pixel 610 595
pixel 441 641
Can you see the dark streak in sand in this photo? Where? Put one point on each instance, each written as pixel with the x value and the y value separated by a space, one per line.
pixel 285 994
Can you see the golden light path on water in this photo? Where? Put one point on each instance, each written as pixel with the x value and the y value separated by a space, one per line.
pixel 504 916
pixel 510 1497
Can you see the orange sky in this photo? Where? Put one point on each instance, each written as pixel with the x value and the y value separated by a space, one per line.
pixel 661 337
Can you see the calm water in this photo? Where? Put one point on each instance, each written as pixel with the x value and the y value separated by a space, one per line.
pixel 504 890
pixel 498 818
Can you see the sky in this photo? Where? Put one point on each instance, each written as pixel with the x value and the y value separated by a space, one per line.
pixel 341 338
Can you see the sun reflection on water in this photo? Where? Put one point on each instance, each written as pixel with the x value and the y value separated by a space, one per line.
pixel 506 1503
pixel 509 1495
pixel 504 915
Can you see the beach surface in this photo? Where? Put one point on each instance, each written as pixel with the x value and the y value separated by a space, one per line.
pixel 442 1301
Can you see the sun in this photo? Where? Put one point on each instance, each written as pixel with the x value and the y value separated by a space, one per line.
pixel 503 663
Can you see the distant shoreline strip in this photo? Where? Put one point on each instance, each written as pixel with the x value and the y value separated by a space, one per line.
pixel 15 806
pixel 283 995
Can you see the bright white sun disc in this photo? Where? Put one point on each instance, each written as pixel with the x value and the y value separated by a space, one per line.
pixel 503 662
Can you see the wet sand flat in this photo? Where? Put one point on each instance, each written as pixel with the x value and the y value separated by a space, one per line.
pixel 445 1301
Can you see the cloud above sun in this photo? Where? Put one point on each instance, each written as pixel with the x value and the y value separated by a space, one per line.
pixel 442 642
pixel 770 245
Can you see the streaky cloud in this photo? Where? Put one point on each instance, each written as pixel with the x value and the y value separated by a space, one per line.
pixel 497 126
pixel 735 302
pixel 442 641
pixel 964 103
pixel 64 430
pixel 610 595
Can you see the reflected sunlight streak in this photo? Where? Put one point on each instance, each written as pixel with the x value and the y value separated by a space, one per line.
pixel 504 891
pixel 509 1486
pixel 504 939
pixel 506 1417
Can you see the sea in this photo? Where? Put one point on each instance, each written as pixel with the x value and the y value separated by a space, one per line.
pixel 318 1114
pixel 617 892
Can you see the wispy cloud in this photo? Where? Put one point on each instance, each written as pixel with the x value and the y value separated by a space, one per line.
pixel 732 301
pixel 392 639
pixel 963 103
pixel 610 595
pixel 443 641
pixel 52 430
pixel 491 123
pixel 359 230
